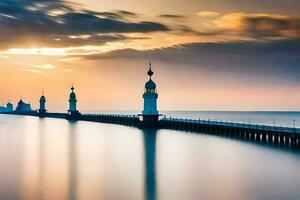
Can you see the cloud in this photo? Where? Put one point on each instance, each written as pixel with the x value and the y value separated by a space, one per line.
pixel 169 16
pixel 261 26
pixel 35 68
pixel 188 30
pixel 244 26
pixel 48 66
pixel 4 57
pixel 66 70
pixel 70 59
pixel 278 59
pixel 126 13
pixel 42 26
pixel 33 71
pixel 208 14
pixel 50 23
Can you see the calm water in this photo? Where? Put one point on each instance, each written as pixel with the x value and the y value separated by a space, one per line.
pixel 55 159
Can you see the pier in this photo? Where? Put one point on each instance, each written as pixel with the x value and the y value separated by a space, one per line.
pixel 249 132
pixel 283 136
pixel 151 119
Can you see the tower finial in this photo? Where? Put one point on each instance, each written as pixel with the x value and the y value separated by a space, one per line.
pixel 72 88
pixel 150 72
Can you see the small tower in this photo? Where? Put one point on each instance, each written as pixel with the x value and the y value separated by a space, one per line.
pixel 42 110
pixel 150 112
pixel 9 107
pixel 72 103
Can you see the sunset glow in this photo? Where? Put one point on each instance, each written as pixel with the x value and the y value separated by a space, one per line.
pixel 149 100
pixel 220 54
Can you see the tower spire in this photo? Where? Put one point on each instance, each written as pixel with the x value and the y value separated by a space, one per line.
pixel 150 72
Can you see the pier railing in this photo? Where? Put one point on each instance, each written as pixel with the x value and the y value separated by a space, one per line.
pixel 233 124
pixel 250 132
pixel 253 132
pixel 129 120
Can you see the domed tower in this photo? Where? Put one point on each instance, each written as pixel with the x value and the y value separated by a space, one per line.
pixel 42 109
pixel 72 103
pixel 150 112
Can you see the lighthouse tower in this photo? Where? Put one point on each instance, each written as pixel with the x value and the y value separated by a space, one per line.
pixel 150 113
pixel 72 103
pixel 42 110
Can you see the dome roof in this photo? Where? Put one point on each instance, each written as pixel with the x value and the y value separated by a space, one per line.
pixel 72 94
pixel 150 85
pixel 43 98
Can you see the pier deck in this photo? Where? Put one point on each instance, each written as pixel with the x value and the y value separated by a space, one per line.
pixel 260 133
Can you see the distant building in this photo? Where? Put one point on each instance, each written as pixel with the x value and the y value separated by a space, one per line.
pixel 23 107
pixel 2 109
pixel 8 108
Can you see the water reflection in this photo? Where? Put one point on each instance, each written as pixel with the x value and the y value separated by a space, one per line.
pixel 53 159
pixel 72 161
pixel 41 162
pixel 44 170
pixel 150 163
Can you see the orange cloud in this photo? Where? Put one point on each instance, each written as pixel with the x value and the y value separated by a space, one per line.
pixel 260 25
pixel 207 14
pixel 230 21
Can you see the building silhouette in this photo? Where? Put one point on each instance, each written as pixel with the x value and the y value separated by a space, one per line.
pixel 8 108
pixel 73 104
pixel 150 113
pixel 23 107
pixel 42 109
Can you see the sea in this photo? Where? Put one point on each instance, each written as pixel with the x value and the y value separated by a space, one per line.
pixel 57 159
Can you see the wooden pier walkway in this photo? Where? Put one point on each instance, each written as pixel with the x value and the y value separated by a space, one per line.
pixel 286 136
pixel 259 133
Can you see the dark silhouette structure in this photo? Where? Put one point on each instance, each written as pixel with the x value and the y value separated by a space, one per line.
pixel 23 107
pixel 74 114
pixel 149 119
pixel 8 108
pixel 42 111
pixel 150 114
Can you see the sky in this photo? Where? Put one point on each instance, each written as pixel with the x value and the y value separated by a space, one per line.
pixel 206 55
